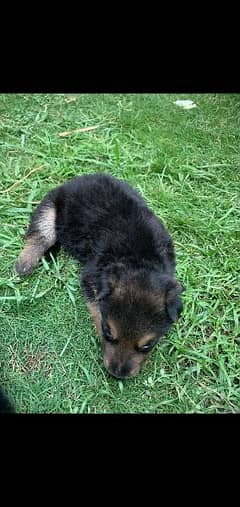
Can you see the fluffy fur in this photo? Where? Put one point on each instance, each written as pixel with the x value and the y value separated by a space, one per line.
pixel 129 274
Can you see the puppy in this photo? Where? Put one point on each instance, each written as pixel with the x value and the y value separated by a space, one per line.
pixel 128 279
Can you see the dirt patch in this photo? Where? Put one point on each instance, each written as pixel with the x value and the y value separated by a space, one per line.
pixel 31 362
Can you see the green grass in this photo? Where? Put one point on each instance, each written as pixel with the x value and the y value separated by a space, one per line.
pixel 186 163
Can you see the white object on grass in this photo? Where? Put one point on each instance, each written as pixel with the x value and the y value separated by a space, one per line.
pixel 185 104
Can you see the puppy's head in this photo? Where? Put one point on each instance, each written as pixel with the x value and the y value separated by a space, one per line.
pixel 137 308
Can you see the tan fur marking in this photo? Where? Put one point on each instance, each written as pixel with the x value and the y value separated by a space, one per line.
pixel 113 329
pixel 145 339
pixel 46 225
pixel 96 316
pixel 28 259
pixel 134 292
pixel 38 243
pixel 31 251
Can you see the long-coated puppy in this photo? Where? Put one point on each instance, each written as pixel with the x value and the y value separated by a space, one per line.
pixel 129 275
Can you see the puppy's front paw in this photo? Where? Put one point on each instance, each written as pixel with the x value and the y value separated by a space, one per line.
pixel 29 257
pixel 24 266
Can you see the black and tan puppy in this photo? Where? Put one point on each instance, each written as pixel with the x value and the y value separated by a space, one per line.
pixel 128 279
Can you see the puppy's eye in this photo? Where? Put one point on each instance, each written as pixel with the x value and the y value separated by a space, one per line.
pixel 108 337
pixel 106 333
pixel 146 348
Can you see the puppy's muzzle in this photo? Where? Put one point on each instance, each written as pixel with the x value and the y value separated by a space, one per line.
pixel 122 371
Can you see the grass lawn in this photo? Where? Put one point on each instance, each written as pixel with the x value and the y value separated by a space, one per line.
pixel 186 163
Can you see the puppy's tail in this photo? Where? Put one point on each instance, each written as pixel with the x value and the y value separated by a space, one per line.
pixel 6 405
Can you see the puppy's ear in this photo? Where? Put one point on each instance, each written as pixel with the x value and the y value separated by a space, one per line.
pixel 108 280
pixel 103 289
pixel 173 300
pixel 169 290
pixel 94 283
pixel 114 273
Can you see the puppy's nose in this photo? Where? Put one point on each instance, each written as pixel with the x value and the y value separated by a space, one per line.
pixel 120 371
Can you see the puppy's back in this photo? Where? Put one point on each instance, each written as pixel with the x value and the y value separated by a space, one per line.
pixel 94 208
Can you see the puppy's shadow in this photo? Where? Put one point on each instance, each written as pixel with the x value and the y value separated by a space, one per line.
pixel 53 251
